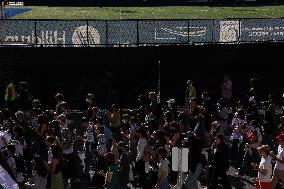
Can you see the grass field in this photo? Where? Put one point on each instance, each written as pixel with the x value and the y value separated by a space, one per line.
pixel 185 12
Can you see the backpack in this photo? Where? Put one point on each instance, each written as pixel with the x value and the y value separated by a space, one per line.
pixel 21 166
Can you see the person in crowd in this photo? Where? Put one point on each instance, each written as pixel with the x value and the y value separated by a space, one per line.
pixel 56 179
pixel 11 96
pixel 195 111
pixel 278 173
pixel 112 172
pixel 101 147
pixel 24 97
pixel 40 171
pixel 62 108
pixel 226 89
pixel 71 157
pixel 123 166
pixel 199 129
pixel 163 169
pixel 236 125
pixel 114 120
pixel 194 162
pixel 114 149
pixel 253 138
pixel 208 110
pixel 5 137
pixel 263 181
pixel 139 162
pixel 90 99
pixel 155 107
pixel 223 114
pixel 142 104
pixel 172 108
pixel 59 100
pixel 16 164
pixel 142 143
pixel 190 90
pixel 18 140
pixel 89 143
pixel 134 151
pixel 219 164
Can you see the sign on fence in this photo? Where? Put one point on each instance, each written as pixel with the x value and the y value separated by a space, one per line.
pixel 96 33
pixel 253 30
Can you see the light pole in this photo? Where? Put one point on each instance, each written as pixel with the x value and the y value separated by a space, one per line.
pixel 159 81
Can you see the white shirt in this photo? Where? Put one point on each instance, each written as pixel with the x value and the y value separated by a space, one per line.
pixel 142 143
pixel 265 163
pixel 280 166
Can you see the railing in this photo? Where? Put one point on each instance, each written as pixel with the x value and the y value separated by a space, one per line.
pixel 134 33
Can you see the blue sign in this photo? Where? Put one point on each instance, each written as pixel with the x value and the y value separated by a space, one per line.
pixel 158 32
pixel 17 32
pixel 122 32
pixel 253 30
pixel 98 33
pixel 200 31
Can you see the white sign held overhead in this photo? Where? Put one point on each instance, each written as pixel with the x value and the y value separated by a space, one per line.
pixel 180 159
pixel 175 155
pixel 184 159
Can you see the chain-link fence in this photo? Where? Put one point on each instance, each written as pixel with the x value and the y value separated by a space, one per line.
pixel 133 33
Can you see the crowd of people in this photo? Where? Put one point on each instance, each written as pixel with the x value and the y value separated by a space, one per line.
pixel 123 148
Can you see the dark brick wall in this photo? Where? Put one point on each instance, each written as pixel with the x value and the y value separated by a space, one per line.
pixel 131 71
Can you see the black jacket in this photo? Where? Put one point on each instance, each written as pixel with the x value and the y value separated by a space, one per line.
pixel 220 160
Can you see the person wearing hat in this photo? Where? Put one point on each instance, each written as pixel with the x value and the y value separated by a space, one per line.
pixel 278 173
pixel 263 181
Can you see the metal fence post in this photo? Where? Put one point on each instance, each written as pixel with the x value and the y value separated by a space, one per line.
pixel 212 28
pixel 188 32
pixel 239 35
pixel 137 33
pixel 88 42
pixel 106 33
pixel 35 34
